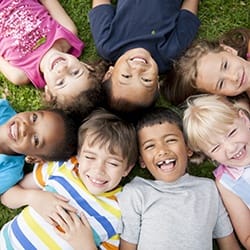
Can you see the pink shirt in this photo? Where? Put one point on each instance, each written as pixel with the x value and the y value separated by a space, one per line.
pixel 27 32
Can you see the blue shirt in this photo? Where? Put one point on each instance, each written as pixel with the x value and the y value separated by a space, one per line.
pixel 11 166
pixel 159 26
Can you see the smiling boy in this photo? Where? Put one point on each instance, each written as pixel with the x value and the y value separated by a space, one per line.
pixel 176 210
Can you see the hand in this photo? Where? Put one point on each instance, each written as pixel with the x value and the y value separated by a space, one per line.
pixel 52 200
pixel 75 230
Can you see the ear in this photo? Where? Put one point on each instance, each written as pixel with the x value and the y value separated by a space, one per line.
pixel 108 74
pixel 126 172
pixel 48 95
pixel 142 163
pixel 189 152
pixel 229 49
pixel 33 159
pixel 89 67
pixel 244 116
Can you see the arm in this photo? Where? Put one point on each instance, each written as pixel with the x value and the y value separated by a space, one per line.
pixel 75 230
pixel 27 193
pixel 228 243
pixel 100 2
pixel 13 74
pixel 124 245
pixel 191 5
pixel 239 214
pixel 59 14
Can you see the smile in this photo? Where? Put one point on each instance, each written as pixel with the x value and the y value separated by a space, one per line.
pixel 139 60
pixel 166 165
pixel 13 132
pixel 56 61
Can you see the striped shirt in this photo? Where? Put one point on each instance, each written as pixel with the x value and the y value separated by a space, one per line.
pixel 237 180
pixel 29 230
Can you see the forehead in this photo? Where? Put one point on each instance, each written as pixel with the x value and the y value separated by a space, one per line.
pixel 158 131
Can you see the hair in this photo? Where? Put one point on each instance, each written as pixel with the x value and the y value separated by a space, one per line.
pixel 109 130
pixel 86 100
pixel 159 115
pixel 67 147
pixel 180 82
pixel 122 107
pixel 205 117
pixel 238 39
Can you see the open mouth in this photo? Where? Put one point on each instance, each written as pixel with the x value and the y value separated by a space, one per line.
pixel 56 61
pixel 240 154
pixel 139 60
pixel 13 132
pixel 97 182
pixel 166 165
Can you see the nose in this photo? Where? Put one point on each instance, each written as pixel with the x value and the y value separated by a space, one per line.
pixel 62 68
pixel 25 128
pixel 230 76
pixel 137 66
pixel 99 167
pixel 230 148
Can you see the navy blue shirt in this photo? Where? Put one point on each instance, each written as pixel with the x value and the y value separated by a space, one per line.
pixel 159 26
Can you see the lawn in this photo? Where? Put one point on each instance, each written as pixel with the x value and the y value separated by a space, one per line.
pixel 216 16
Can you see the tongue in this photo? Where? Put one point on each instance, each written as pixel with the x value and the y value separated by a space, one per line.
pixel 168 166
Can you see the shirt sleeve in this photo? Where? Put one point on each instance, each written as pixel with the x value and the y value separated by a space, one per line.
pixel 185 31
pixel 100 19
pixel 112 243
pixel 11 171
pixel 42 171
pixel 130 204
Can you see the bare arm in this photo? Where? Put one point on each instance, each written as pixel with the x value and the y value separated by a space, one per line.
pixel 13 74
pixel 124 245
pixel 239 214
pixel 100 2
pixel 59 14
pixel 191 5
pixel 228 243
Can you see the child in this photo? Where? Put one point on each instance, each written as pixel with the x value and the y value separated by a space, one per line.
pixel 38 43
pixel 176 210
pixel 107 151
pixel 141 40
pixel 38 134
pixel 220 130
pixel 227 62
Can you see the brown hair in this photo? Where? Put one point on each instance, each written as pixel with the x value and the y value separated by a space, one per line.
pixel 110 130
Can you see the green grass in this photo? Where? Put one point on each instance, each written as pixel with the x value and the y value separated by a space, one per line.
pixel 217 16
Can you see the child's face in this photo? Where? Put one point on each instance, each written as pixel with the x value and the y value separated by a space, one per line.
pixel 135 76
pixel 100 170
pixel 163 151
pixel 33 133
pixel 223 73
pixel 232 148
pixel 65 75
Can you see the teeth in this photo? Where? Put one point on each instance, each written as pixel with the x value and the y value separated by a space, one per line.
pixel 238 155
pixel 139 59
pixel 97 181
pixel 13 131
pixel 169 161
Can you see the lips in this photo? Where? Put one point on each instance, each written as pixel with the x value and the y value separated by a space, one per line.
pixel 56 61
pixel 139 59
pixel 166 165
pixel 13 131
pixel 240 154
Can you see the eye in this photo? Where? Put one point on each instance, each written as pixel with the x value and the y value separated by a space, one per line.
pixel 36 140
pixel 59 83
pixel 113 164
pixel 88 157
pixel 232 133
pixel 225 65
pixel 75 72
pixel 125 76
pixel 172 140
pixel 34 117
pixel 221 83
pixel 215 149
pixel 146 80
pixel 149 146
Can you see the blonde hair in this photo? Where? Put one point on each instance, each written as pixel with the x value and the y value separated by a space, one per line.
pixel 205 117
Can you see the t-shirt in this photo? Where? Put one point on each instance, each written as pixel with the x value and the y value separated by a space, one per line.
pixel 11 166
pixel 160 27
pixel 185 214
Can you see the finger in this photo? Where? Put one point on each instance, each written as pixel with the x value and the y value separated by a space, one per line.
pixel 84 220
pixel 68 207
pixel 61 197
